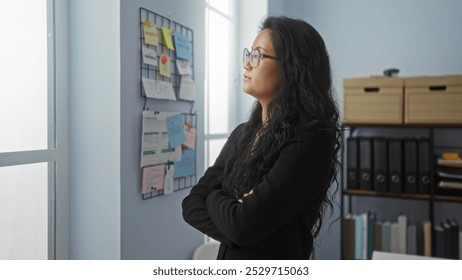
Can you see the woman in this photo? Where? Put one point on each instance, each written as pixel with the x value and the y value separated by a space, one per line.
pixel 265 196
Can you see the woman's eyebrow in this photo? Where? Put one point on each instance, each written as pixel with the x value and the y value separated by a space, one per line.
pixel 259 48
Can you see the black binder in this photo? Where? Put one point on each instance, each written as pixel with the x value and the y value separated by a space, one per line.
pixel 455 239
pixel 424 165
pixel 410 166
pixel 352 163
pixel 365 163
pixel 380 156
pixel 395 171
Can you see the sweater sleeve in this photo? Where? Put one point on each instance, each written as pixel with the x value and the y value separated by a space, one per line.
pixel 195 211
pixel 297 177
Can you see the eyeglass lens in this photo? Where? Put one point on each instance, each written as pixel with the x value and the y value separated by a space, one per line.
pixel 253 57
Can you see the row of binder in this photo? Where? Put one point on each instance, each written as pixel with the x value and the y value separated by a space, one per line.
pixel 363 234
pixel 389 164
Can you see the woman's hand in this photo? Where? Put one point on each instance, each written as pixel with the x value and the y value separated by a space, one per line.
pixel 246 194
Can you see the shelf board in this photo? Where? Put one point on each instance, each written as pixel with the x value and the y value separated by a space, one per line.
pixel 416 125
pixel 391 195
pixel 448 198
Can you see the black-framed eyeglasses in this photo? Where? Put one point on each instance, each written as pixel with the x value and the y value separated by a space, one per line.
pixel 254 56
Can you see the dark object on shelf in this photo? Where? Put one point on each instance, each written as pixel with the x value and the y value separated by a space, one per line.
pixel 380 165
pixel 395 173
pixel 424 166
pixel 352 163
pixel 391 72
pixel 410 165
pixel 365 163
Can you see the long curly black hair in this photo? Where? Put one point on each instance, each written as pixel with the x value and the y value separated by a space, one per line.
pixel 304 97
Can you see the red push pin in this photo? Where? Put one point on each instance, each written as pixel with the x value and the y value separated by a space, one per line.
pixel 164 59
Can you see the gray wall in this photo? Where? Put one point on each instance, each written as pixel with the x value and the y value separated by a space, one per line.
pixel 94 104
pixel 109 220
pixel 154 228
pixel 420 37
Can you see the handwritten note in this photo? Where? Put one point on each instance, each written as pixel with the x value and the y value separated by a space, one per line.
pixel 167 36
pixel 182 46
pixel 150 33
pixel 149 56
pixel 190 136
pixel 175 130
pixel 168 182
pixel 187 88
pixel 158 89
pixel 153 178
pixel 184 67
pixel 164 65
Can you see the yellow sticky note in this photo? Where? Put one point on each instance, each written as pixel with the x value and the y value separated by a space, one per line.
pixel 168 37
pixel 164 65
pixel 150 33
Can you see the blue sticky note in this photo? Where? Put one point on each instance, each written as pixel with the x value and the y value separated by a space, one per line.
pixel 175 129
pixel 187 165
pixel 182 46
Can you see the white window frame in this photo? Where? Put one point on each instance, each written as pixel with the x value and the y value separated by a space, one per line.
pixel 232 97
pixel 57 154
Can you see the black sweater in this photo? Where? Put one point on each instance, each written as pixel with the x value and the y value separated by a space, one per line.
pixel 274 222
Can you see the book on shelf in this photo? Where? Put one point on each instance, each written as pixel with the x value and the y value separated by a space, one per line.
pixel 439 241
pixel 402 234
pixel 349 237
pixel 411 239
pixel 359 233
pixel 394 237
pixel 386 236
pixel 453 185
pixel 370 235
pixel 455 241
pixel 447 241
pixel 378 236
pixel 427 238
pixel 460 245
pixel 450 162
pixel 358 237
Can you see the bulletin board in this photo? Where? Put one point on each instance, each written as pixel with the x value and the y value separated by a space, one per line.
pixel 166 72
pixel 153 72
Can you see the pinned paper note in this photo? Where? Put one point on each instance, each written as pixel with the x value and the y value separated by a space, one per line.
pixel 155 146
pixel 187 88
pixel 182 46
pixel 167 36
pixel 168 182
pixel 149 56
pixel 184 67
pixel 187 165
pixel 158 89
pixel 153 178
pixel 175 128
pixel 150 33
pixel 164 65
pixel 190 136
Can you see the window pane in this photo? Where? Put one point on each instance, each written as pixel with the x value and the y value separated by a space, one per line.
pixel 215 147
pixel 223 6
pixel 24 211
pixel 23 68
pixel 219 76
